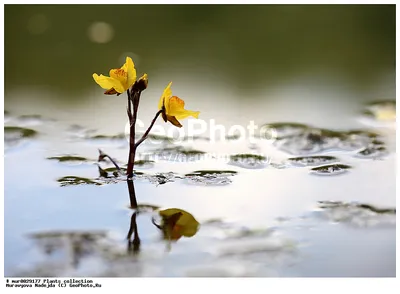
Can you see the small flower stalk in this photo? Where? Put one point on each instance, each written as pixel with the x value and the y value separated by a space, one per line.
pixel 170 107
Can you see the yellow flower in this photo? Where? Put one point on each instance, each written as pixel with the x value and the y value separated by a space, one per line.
pixel 174 108
pixel 120 79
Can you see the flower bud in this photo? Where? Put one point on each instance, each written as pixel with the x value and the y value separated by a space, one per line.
pixel 141 84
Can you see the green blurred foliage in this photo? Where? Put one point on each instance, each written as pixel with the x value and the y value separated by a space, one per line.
pixel 251 45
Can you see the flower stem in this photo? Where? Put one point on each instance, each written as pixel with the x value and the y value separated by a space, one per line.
pixel 129 109
pixel 132 145
pixel 134 99
pixel 144 137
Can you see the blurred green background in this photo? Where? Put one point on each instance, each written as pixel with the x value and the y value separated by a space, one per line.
pixel 249 46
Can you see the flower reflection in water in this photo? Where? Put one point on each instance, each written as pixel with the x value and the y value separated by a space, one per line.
pixel 73 252
pixel 174 222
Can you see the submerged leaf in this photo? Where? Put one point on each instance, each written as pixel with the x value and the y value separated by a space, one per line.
pixel 73 180
pixel 232 137
pixel 212 172
pixel 162 178
pixel 358 214
pixel 111 137
pixel 22 132
pixel 251 161
pixel 372 152
pixel 339 204
pixel 312 160
pixel 67 158
pixel 210 177
pixel 145 207
pixel 144 163
pixel 155 137
pixel 331 169
pixel 281 130
pixel 15 136
pixel 176 154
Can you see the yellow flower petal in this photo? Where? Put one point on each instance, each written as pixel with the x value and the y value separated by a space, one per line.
pixel 176 108
pixel 164 99
pixel 144 78
pixel 130 69
pixel 175 105
pixel 108 83
pixel 120 79
pixel 120 75
pixel 187 113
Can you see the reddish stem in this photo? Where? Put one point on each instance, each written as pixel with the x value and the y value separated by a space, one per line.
pixel 132 123
pixel 144 137
pixel 134 98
